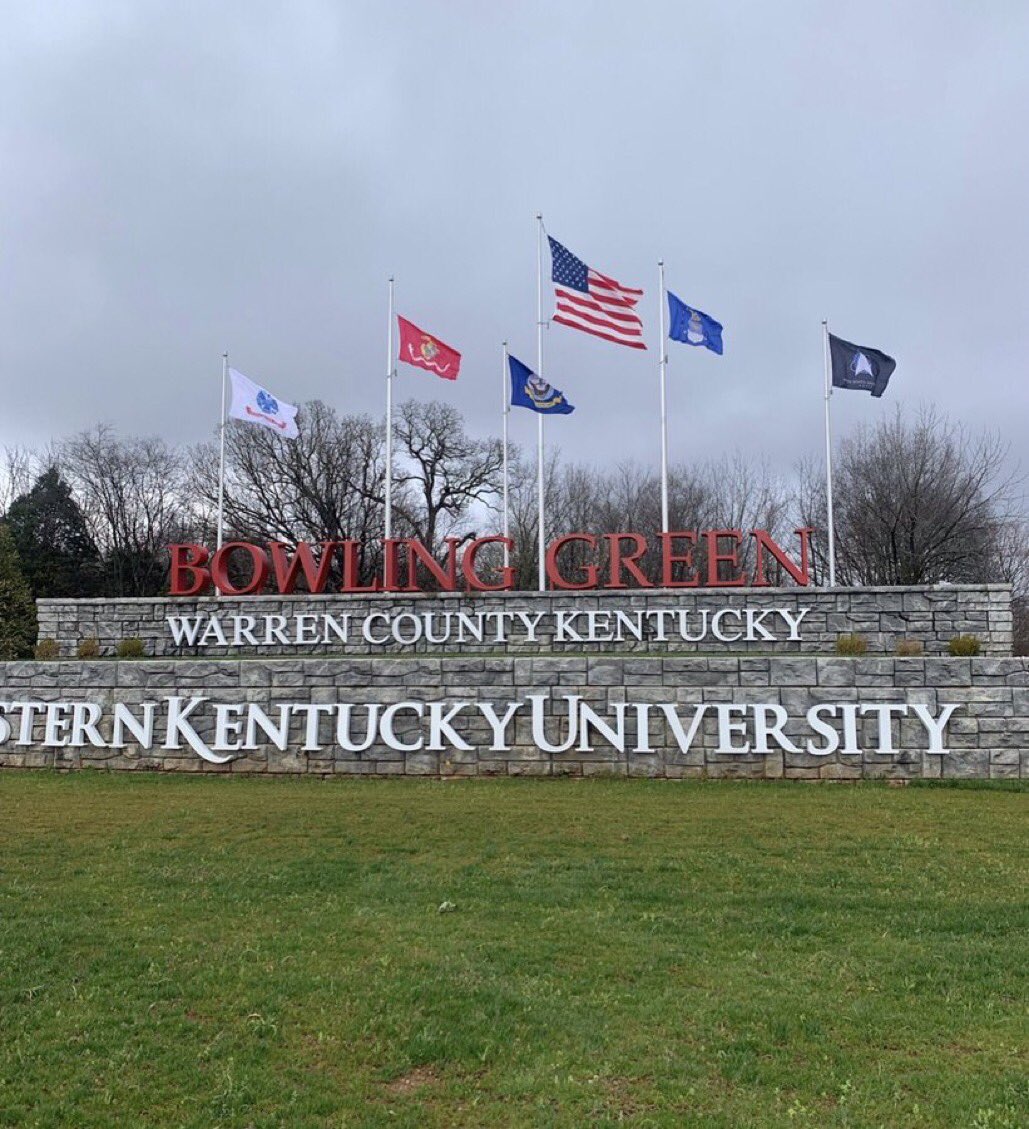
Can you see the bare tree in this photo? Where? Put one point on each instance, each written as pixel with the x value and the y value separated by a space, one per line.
pixel 442 471
pixel 727 494
pixel 915 503
pixel 132 495
pixel 327 485
pixel 19 468
pixel 524 513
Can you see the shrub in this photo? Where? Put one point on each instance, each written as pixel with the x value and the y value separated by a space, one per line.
pixel 851 645
pixel 88 649
pixel 962 645
pixel 131 648
pixel 909 648
pixel 47 649
pixel 17 608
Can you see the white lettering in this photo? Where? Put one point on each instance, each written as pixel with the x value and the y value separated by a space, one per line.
pixel 851 748
pixel 613 734
pixel 432 636
pixel 258 719
pixel 499 724
pixel 727 728
pixel 716 624
pixel 539 730
pixel 832 738
pixel 228 726
pixel 28 718
pixel 763 729
pixel 500 624
pixel 883 715
pixel 627 624
pixel 366 628
pixel 142 731
pixel 331 626
pixel 57 722
pixel 84 716
pixel 343 726
pixel 684 631
pixel 440 727
pixel 388 732
pixel 530 621
pixel 213 633
pixel 415 628
pixel 934 727
pixel 683 738
pixel 275 630
pixel 307 629
pixel 793 622
pixel 565 633
pixel 178 726
pixel 755 628
pixel 184 629
pixel 243 631
pixel 599 630
pixel 314 714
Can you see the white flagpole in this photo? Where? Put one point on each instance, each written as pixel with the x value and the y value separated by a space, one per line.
pixel 662 366
pixel 506 409
pixel 541 534
pixel 221 455
pixel 389 419
pixel 828 458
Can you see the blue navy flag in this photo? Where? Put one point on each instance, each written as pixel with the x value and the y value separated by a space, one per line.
pixel 693 327
pixel 531 391
pixel 857 366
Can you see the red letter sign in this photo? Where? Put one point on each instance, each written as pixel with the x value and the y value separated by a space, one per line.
pixel 188 575
pixel 555 547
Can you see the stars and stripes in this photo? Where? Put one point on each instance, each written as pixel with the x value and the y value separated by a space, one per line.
pixel 592 302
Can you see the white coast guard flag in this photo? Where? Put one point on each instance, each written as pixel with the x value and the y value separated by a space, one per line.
pixel 255 404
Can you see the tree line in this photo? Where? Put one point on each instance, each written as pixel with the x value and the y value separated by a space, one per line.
pixel 918 500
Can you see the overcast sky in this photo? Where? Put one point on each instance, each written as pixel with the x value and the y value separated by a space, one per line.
pixel 179 178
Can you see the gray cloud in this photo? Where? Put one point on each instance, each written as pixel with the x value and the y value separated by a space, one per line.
pixel 182 178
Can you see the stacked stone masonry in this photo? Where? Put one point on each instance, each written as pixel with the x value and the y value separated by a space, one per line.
pixel 930 615
pixel 987 736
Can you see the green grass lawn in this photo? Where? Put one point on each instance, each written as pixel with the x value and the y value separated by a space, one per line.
pixel 239 952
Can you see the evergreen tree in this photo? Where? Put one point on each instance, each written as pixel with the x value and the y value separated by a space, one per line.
pixel 17 609
pixel 58 555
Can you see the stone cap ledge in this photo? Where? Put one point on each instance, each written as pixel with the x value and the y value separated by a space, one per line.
pixel 531 594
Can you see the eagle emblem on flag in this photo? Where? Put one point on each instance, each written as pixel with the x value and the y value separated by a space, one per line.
pixel 695 330
pixel 422 350
pixel 542 394
pixel 267 403
pixel 533 392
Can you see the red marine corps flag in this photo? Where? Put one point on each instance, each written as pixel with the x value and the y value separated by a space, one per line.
pixel 422 350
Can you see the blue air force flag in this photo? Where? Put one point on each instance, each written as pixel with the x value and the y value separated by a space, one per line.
pixel 531 391
pixel 693 327
pixel 856 366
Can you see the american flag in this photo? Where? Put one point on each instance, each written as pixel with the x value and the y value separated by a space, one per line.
pixel 592 302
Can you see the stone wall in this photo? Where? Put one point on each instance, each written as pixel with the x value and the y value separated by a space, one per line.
pixel 723 699
pixel 931 615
